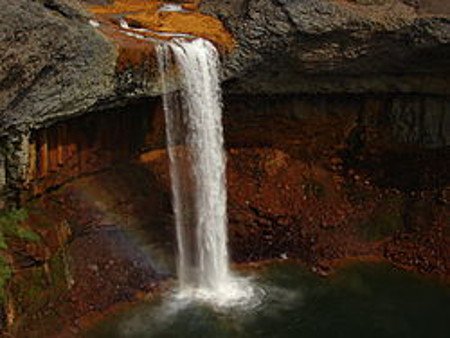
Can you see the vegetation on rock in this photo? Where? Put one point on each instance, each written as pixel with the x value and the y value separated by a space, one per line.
pixel 11 228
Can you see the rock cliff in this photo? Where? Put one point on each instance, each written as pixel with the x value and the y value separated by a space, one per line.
pixel 321 46
pixel 55 64
pixel 337 127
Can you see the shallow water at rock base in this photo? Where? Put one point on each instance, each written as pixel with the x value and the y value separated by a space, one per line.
pixel 362 300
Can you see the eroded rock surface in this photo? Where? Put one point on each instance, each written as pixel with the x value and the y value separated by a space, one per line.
pixel 53 63
pixel 58 61
pixel 335 46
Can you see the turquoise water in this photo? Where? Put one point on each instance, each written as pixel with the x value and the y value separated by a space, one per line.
pixel 364 300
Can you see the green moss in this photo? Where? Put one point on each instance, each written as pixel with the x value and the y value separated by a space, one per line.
pixel 5 275
pixel 28 290
pixel 11 227
pixel 27 235
pixel 314 188
pixel 58 270
pixel 34 288
pixel 384 222
pixel 3 244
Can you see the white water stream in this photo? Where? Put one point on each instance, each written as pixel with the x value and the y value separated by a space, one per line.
pixel 197 167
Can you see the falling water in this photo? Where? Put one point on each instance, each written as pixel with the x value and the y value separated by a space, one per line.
pixel 197 166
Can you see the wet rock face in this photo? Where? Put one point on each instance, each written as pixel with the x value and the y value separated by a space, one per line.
pixel 315 178
pixel 304 185
pixel 324 178
pixel 86 144
pixel 94 252
pixel 423 122
pixel 334 46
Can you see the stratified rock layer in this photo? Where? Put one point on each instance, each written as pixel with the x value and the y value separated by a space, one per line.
pixel 55 64
pixel 335 46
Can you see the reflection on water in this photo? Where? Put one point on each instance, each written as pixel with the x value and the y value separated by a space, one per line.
pixel 361 301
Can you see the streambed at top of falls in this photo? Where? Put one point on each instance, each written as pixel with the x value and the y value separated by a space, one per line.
pixel 362 300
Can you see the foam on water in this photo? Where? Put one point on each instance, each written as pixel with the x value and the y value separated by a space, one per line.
pixel 238 293
pixel 171 8
pixel 139 32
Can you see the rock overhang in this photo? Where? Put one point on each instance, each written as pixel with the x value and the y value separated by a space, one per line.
pixel 326 46
pixel 58 65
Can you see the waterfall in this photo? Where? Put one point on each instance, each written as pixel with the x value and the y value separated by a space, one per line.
pixel 197 166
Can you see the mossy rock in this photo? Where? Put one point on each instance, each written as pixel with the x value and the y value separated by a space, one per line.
pixel 33 288
pixel 5 275
pixel 11 225
pixel 384 222
pixel 314 188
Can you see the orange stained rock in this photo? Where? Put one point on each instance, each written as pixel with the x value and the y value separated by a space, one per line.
pixel 131 52
pixel 145 14
pixel 194 23
pixel 124 6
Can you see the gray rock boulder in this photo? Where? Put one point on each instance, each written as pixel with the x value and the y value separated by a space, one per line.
pixel 53 63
